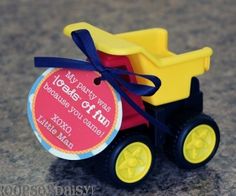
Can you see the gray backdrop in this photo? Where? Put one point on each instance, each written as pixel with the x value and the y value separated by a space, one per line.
pixel 30 28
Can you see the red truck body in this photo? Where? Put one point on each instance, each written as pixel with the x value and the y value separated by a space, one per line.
pixel 130 118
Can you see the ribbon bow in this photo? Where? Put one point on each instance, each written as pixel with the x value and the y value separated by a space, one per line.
pixel 84 41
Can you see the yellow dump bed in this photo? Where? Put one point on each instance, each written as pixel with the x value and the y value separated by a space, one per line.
pixel 148 52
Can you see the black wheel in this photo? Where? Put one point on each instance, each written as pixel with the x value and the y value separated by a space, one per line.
pixel 195 141
pixel 127 161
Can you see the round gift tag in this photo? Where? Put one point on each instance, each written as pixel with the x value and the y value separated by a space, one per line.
pixel 72 116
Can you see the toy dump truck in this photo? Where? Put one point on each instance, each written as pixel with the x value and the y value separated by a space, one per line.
pixel 178 103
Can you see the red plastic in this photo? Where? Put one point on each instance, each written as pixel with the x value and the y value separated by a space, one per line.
pixel 130 117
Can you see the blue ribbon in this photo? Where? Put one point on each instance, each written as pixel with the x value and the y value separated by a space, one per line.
pixel 84 41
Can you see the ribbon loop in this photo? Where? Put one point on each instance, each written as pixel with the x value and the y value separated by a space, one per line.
pixel 84 41
pixel 88 47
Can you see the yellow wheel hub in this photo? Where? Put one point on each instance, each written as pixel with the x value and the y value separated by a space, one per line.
pixel 199 143
pixel 133 162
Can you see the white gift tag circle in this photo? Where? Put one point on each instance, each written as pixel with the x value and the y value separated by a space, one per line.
pixel 72 117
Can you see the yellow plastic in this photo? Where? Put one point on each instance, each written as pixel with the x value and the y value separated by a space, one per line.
pixel 104 41
pixel 148 53
pixel 133 162
pixel 199 144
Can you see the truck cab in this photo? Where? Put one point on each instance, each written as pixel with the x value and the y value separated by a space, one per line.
pixel 131 118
